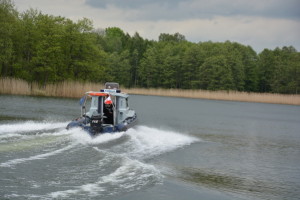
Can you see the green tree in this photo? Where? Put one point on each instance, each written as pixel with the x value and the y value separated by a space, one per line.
pixel 192 59
pixel 114 39
pixel 279 70
pixel 266 69
pixel 137 47
pixel 250 61
pixel 48 57
pixel 286 70
pixel 150 69
pixel 8 26
pixel 165 37
pixel 119 68
pixel 172 64
pixel 216 74
pixel 233 54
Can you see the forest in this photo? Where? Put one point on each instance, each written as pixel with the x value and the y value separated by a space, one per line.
pixel 43 48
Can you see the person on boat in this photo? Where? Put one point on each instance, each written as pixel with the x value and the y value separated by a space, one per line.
pixel 108 111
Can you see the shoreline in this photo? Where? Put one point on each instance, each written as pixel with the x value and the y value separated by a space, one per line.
pixel 75 89
pixel 221 95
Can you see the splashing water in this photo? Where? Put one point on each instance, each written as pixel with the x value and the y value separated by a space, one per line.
pixel 105 165
pixel 30 126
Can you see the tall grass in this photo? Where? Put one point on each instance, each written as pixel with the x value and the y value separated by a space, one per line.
pixel 222 95
pixel 14 86
pixel 70 89
pixel 75 89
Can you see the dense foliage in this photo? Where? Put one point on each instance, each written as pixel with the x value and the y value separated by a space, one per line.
pixel 45 48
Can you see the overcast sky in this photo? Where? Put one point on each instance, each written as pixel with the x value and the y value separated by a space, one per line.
pixel 258 23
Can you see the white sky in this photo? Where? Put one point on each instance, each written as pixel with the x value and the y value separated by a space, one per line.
pixel 258 23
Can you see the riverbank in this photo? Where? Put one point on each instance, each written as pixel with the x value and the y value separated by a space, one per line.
pixel 222 95
pixel 74 89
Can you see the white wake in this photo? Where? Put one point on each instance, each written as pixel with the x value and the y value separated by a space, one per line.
pixel 30 126
pixel 14 162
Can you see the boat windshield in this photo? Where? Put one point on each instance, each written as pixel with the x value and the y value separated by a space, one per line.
pixel 91 105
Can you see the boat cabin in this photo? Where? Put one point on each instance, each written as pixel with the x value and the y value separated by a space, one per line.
pixel 106 111
pixel 109 107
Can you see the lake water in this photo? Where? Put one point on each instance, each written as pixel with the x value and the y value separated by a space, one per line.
pixel 181 149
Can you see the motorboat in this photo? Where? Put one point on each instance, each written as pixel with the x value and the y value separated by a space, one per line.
pixel 106 111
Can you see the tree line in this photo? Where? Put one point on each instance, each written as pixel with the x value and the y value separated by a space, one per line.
pixel 45 49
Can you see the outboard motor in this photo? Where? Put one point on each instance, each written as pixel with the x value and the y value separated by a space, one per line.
pixel 96 124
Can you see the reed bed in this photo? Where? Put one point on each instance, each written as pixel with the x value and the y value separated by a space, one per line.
pixel 71 89
pixel 221 95
pixel 75 89
pixel 14 86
